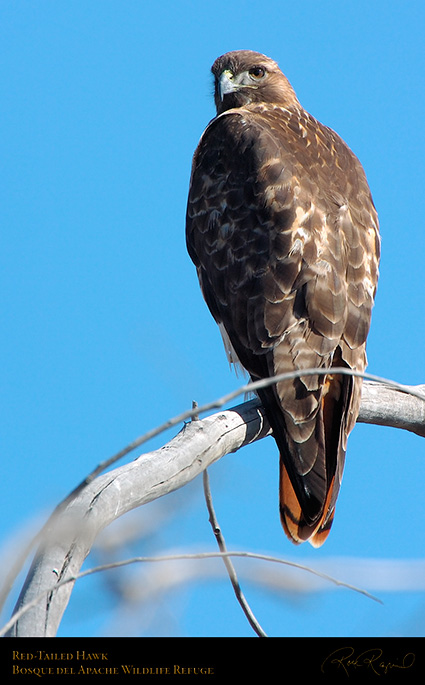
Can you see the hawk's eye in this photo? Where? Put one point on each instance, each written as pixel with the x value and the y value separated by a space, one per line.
pixel 257 73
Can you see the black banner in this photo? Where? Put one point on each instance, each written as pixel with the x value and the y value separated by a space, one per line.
pixel 213 660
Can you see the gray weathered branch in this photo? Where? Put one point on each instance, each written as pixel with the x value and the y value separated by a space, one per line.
pixel 70 533
pixel 386 406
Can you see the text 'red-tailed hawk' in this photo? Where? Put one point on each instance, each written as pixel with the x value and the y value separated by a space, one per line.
pixel 283 232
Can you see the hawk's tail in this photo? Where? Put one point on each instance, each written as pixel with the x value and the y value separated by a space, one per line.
pixel 331 424
pixel 294 524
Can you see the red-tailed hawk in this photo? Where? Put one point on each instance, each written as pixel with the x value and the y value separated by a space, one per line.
pixel 284 234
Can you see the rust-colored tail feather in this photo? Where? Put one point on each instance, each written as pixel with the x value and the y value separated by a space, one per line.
pixel 336 396
pixel 294 524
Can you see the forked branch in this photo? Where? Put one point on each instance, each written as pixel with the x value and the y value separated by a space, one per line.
pixel 100 499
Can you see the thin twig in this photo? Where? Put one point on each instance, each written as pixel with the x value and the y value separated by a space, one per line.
pixel 227 561
pixel 177 557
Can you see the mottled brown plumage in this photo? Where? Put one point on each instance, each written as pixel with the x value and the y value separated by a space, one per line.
pixel 284 234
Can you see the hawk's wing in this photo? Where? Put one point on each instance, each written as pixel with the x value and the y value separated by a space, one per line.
pixel 284 234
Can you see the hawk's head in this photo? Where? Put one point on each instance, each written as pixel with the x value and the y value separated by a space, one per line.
pixel 243 76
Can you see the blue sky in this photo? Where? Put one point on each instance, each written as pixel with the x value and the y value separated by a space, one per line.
pixel 104 331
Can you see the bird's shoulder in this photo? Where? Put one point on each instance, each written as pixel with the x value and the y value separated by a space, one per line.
pixel 261 141
pixel 292 128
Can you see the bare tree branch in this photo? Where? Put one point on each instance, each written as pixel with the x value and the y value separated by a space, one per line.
pixel 383 405
pixel 69 534
pixel 227 561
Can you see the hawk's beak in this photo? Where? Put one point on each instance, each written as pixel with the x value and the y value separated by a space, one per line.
pixel 226 83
